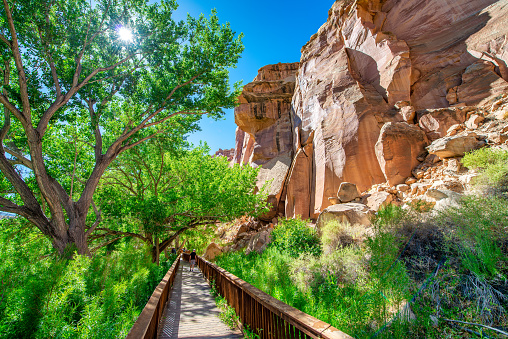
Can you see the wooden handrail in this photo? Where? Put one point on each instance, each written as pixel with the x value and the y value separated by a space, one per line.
pixel 266 316
pixel 147 324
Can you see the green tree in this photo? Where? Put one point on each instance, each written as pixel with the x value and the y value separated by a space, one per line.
pixel 83 82
pixel 155 195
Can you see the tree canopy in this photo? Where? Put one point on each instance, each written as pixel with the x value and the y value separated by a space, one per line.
pixel 83 82
pixel 155 195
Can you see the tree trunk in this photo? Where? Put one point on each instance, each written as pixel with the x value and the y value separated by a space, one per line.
pixel 156 251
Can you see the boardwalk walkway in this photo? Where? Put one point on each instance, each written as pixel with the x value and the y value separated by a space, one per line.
pixel 191 311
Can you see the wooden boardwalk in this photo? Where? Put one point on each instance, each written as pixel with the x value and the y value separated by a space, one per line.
pixel 191 311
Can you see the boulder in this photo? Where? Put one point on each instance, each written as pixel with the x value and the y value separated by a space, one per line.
pixel 437 122
pixel 352 213
pixel 450 147
pixel 212 251
pixel 259 241
pixel 474 121
pixel 408 113
pixel 397 150
pixel 454 129
pixel 347 192
pixel 379 199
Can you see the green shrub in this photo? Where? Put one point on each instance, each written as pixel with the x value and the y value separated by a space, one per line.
pixel 476 233
pixel 336 235
pixel 492 164
pixel 294 237
pixel 43 296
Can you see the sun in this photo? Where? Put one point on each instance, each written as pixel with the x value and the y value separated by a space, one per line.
pixel 125 34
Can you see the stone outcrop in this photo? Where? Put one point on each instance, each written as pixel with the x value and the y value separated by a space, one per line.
pixel 228 153
pixel 212 251
pixel 352 213
pixel 378 79
pixel 397 150
pixel 348 192
pixel 455 146
pixel 264 134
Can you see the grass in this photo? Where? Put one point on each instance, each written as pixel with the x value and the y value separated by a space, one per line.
pixel 43 296
pixel 403 280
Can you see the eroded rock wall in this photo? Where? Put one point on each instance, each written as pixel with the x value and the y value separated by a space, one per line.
pixel 421 63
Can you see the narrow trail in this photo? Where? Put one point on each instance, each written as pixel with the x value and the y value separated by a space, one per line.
pixel 191 311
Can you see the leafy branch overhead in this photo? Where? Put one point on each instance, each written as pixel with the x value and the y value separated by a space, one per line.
pixel 151 194
pixel 76 93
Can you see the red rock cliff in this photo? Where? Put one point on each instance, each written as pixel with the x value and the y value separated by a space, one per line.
pixel 373 63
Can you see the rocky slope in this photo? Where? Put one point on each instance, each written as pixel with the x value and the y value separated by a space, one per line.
pixel 379 87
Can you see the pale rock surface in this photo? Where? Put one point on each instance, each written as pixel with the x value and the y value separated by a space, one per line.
pixel 379 199
pixel 352 213
pixel 212 251
pixel 455 146
pixel 397 150
pixel 347 192
pixel 474 121
pixel 437 122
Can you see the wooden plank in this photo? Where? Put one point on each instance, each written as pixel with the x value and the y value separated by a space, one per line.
pixel 147 322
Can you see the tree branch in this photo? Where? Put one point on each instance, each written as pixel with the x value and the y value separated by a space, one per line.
pixel 6 41
pixel 127 234
pixel 19 66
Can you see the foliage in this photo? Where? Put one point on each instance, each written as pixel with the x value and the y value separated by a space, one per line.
pixel 294 237
pixel 335 235
pixel 492 164
pixel 44 296
pixel 154 194
pixel 76 94
pixel 477 234
pixel 227 314
pixel 451 265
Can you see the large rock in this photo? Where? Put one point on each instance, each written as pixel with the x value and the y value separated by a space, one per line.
pixel 379 199
pixel 264 114
pixel 212 251
pixel 436 122
pixel 259 241
pixel 397 149
pixel 347 192
pixel 455 146
pixel 352 213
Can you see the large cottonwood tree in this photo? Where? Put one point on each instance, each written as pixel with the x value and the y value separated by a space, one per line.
pixel 155 192
pixel 72 67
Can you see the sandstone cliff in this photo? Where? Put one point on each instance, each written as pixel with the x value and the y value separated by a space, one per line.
pixel 375 85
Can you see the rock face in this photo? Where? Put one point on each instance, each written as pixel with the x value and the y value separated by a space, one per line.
pixel 397 149
pixel 264 134
pixel 351 213
pixel 455 146
pixel 212 251
pixel 374 63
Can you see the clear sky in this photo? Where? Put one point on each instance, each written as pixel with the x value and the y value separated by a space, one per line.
pixel 275 31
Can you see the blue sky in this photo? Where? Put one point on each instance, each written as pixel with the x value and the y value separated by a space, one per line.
pixel 275 31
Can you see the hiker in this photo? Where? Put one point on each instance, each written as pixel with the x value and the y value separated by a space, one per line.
pixel 192 260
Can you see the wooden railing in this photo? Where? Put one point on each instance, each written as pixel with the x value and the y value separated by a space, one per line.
pixel 266 316
pixel 147 324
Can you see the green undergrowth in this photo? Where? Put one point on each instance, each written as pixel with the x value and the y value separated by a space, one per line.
pixel 227 312
pixel 42 296
pixel 404 277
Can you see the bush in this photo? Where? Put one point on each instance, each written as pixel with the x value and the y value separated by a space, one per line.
pixel 44 296
pixel 336 235
pixel 294 237
pixel 493 167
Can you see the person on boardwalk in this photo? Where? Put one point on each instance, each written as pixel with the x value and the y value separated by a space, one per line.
pixel 192 259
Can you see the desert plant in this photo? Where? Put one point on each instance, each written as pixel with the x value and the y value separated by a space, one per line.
pixel 492 166
pixel 294 237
